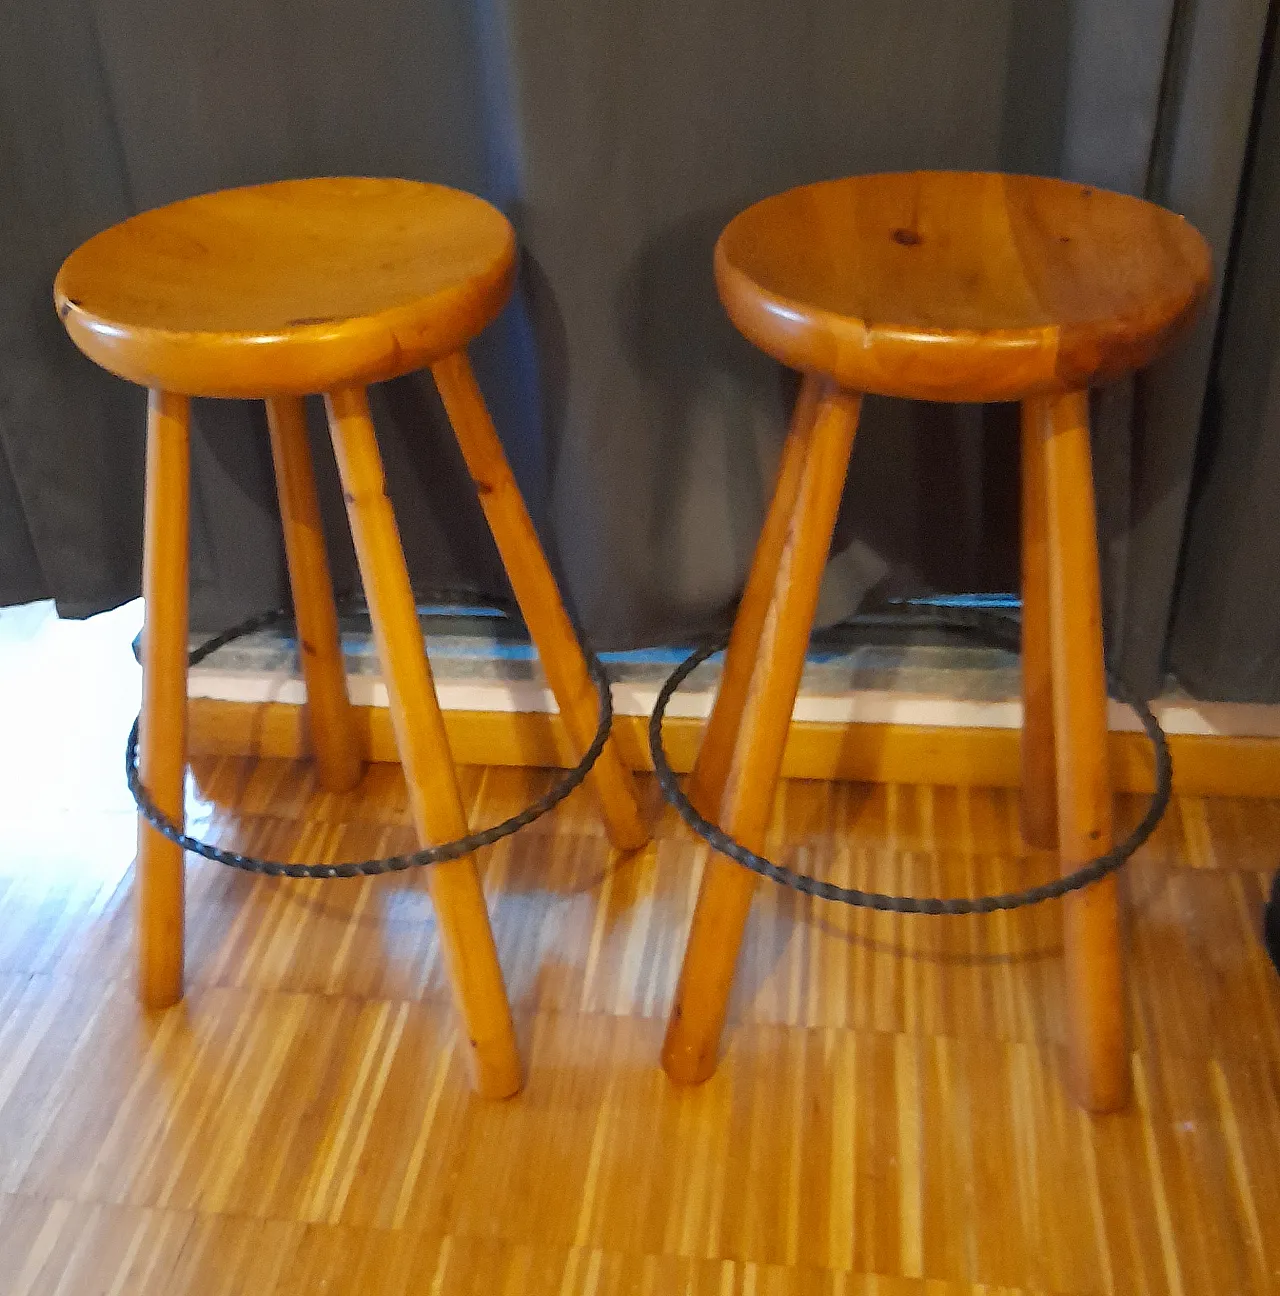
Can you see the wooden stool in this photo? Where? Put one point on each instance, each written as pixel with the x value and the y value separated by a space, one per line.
pixel 941 287
pixel 273 292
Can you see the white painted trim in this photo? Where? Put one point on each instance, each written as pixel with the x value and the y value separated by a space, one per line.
pixel 1178 715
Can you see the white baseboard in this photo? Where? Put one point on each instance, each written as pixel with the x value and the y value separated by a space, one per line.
pixel 1178 714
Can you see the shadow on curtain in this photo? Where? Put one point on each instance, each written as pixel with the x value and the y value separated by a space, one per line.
pixel 619 139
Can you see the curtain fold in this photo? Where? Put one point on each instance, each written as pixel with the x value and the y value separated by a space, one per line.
pixel 619 139
pixel 1226 631
pixel 70 438
pixel 1198 169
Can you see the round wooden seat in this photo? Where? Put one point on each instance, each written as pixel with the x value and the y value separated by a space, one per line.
pixel 288 288
pixel 325 286
pixel 960 286
pixel 955 287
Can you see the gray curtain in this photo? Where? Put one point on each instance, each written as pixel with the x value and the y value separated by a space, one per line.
pixel 619 139
pixel 1152 97
pixel 1226 632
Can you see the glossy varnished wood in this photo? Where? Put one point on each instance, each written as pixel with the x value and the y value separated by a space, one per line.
pixel 960 286
pixel 715 755
pixel 288 288
pixel 689 1053
pixel 537 594
pixel 1039 772
pixel 967 287
pixel 1094 976
pixel 332 725
pixel 278 291
pixel 887 1120
pixel 466 937
pixel 1203 764
pixel 162 732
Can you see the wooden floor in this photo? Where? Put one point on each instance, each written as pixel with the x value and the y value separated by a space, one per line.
pixel 888 1119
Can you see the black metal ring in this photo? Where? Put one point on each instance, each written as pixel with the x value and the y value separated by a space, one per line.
pixel 365 868
pixel 1001 630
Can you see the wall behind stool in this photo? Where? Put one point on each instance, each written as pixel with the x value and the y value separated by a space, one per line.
pixel 620 139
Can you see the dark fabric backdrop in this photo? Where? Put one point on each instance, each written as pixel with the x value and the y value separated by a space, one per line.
pixel 619 139
pixel 1226 634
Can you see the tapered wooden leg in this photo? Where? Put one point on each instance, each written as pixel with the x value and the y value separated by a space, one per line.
pixel 162 740
pixel 711 769
pixel 537 594
pixel 1039 776
pixel 465 935
pixel 1099 1061
pixel 333 733
pixel 702 997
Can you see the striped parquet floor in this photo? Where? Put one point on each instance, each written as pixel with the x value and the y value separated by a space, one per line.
pixel 888 1118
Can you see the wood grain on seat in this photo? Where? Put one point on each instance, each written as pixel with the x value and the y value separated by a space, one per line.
pixel 288 288
pixel 960 286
